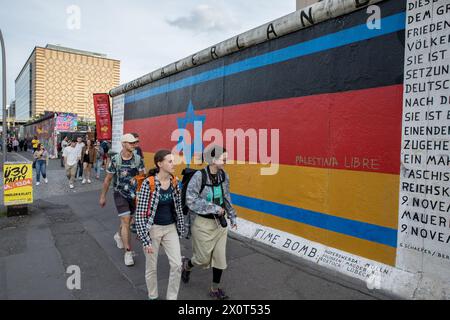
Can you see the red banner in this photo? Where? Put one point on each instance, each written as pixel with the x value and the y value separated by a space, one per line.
pixel 103 116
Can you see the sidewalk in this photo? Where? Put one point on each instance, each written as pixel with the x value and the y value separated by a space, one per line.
pixel 67 228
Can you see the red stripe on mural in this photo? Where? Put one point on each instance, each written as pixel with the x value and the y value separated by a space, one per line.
pixel 356 130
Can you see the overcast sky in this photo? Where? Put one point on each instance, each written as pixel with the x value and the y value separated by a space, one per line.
pixel 144 34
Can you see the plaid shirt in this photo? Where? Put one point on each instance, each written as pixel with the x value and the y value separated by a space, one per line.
pixel 147 205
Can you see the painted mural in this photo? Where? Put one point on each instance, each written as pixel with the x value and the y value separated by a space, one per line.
pixel 45 131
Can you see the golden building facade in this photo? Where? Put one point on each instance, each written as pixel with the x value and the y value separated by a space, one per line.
pixel 58 79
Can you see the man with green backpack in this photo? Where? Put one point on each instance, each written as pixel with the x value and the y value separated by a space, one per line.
pixel 123 168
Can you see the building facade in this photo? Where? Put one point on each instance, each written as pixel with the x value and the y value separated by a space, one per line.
pixel 58 79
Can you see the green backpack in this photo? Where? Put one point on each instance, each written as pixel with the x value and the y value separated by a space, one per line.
pixel 118 160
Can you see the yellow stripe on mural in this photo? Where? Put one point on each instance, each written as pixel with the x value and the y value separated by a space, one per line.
pixel 367 249
pixel 361 196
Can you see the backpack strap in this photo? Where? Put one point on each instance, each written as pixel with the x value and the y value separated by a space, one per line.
pixel 137 160
pixel 222 176
pixel 118 160
pixel 151 182
pixel 118 157
pixel 204 178
pixel 175 182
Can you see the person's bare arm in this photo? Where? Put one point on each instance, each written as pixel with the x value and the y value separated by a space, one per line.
pixel 105 189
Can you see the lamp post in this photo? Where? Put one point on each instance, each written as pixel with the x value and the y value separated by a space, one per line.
pixel 5 130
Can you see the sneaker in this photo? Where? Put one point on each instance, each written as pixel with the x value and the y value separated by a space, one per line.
pixel 71 186
pixel 97 177
pixel 46 180
pixel 128 258
pixel 118 240
pixel 38 183
pixel 84 181
pixel 218 295
pixel 89 181
pixel 185 273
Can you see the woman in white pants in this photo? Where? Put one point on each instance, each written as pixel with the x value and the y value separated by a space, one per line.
pixel 160 222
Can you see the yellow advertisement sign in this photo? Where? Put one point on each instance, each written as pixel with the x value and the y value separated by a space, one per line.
pixel 18 183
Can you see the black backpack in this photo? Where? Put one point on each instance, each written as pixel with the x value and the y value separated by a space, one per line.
pixel 187 174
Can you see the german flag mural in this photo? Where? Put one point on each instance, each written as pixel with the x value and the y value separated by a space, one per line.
pixel 334 91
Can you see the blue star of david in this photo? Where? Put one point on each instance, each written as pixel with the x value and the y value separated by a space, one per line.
pixel 197 146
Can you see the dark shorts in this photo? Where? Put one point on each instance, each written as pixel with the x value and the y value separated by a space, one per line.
pixel 86 159
pixel 125 207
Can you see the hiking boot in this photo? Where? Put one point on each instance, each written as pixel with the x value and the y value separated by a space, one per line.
pixel 218 295
pixel 128 258
pixel 118 240
pixel 185 273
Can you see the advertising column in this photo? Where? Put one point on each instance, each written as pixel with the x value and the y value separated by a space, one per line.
pixel 424 207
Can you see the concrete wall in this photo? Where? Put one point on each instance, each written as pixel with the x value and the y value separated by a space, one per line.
pixel 300 4
pixel 334 92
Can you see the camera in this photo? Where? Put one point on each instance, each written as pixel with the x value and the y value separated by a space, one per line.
pixel 222 220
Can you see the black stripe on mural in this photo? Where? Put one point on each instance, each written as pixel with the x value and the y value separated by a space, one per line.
pixel 360 17
pixel 373 63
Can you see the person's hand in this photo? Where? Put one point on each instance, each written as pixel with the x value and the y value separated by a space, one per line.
pixel 102 201
pixel 149 249
pixel 221 212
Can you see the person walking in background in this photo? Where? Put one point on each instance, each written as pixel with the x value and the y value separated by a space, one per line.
pixel 89 156
pixel 9 145
pixel 21 144
pixel 98 164
pixel 41 158
pixel 35 143
pixel 122 168
pixel 71 158
pixel 163 224
pixel 79 146
pixel 64 144
pixel 207 208
pixel 15 144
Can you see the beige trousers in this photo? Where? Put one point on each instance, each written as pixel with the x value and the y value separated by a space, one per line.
pixel 167 237
pixel 71 171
